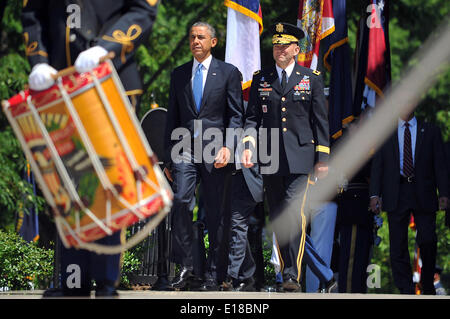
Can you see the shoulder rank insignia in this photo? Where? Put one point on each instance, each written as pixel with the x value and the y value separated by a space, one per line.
pixel 256 72
pixel 316 72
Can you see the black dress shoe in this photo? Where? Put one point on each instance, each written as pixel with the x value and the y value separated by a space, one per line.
pixel 59 292
pixel 291 285
pixel 182 281
pixel 53 293
pixel 195 283
pixel 105 288
pixel 279 287
pixel 106 291
pixel 246 285
pixel 161 284
pixel 209 285
pixel 330 287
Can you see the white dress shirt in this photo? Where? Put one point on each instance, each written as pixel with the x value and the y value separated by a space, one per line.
pixel 205 69
pixel 288 70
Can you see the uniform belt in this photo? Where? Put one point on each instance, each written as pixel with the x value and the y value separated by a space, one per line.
pixel 407 180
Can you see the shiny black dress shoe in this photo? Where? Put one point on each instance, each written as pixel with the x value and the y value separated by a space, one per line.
pixel 246 285
pixel 291 285
pixel 209 285
pixel 182 281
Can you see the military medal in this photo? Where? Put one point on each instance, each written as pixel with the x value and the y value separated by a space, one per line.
pixel 264 108
pixel 304 84
pixel 265 88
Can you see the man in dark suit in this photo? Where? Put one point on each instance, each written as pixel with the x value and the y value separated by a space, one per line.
pixel 205 96
pixel 59 34
pixel 405 174
pixel 289 100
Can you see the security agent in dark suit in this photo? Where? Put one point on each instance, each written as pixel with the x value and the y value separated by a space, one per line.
pixel 205 93
pixel 289 98
pixel 59 34
pixel 405 174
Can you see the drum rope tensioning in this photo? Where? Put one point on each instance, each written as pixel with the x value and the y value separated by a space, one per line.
pixel 90 157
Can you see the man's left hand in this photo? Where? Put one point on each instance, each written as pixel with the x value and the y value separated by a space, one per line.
pixel 222 158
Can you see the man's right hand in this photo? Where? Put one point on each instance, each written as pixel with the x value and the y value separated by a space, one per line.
pixel 41 77
pixel 375 204
pixel 247 158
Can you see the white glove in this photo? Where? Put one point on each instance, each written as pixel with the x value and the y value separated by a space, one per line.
pixel 89 59
pixel 41 77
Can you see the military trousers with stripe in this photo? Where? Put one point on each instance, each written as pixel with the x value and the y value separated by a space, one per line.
pixel 287 199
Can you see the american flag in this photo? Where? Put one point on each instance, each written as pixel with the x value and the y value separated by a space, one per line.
pixel 244 26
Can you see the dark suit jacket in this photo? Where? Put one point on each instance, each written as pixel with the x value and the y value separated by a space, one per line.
pixel 300 115
pixel 221 103
pixel 430 170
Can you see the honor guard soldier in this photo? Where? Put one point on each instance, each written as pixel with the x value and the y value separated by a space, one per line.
pixel 288 99
pixel 63 33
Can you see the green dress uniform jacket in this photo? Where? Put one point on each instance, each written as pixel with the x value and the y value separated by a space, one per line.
pixel 299 112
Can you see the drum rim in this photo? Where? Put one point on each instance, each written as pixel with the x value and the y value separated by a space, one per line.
pixel 56 101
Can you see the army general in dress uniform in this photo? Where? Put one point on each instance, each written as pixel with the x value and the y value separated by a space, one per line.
pixel 288 99
pixel 63 33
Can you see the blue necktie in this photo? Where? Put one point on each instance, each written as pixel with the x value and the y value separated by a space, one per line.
pixel 197 87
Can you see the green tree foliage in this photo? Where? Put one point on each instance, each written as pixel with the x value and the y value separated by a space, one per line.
pixel 14 69
pixel 23 265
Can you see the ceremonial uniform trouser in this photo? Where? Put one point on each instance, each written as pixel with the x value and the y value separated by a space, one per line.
pixel 322 233
pixel 186 176
pixel 426 239
pixel 80 266
pixel 355 242
pixel 286 195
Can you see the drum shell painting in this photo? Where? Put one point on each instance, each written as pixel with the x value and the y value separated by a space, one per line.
pixel 109 148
